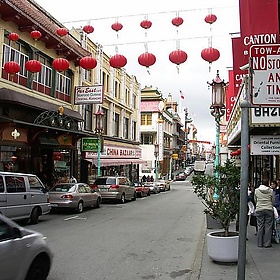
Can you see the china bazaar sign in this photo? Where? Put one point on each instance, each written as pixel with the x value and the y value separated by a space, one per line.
pixel 266 74
pixel 89 95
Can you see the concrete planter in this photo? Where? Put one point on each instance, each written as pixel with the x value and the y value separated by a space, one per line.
pixel 223 249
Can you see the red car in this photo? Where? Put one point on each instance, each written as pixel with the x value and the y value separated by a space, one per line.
pixel 141 189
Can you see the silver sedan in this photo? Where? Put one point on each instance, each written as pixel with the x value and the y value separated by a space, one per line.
pixel 75 196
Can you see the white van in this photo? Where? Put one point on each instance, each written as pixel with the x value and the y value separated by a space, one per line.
pixel 23 196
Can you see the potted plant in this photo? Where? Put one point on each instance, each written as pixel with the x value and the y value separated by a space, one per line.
pixel 224 209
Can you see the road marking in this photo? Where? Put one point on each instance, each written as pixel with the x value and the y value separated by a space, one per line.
pixel 74 218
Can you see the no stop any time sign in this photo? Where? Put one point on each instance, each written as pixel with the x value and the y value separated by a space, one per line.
pixel 266 77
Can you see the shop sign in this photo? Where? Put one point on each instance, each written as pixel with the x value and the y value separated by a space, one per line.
pixel 89 144
pixel 89 94
pixel 265 115
pixel 266 67
pixel 265 145
pixel 115 152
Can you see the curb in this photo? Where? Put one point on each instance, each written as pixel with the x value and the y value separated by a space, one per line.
pixel 197 264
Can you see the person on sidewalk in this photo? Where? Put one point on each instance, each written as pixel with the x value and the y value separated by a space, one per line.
pixel 276 192
pixel 264 199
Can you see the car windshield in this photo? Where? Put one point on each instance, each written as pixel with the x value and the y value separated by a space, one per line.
pixel 105 181
pixel 63 188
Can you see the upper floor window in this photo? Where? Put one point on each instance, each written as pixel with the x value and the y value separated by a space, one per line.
pixel 125 127
pixel 116 124
pixel 146 119
pixel 88 117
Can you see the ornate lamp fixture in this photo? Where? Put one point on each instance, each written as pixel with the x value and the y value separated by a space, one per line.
pixel 99 130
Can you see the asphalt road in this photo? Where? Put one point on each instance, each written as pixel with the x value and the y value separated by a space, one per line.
pixel 155 237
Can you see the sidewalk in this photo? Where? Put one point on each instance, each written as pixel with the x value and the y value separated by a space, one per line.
pixel 261 263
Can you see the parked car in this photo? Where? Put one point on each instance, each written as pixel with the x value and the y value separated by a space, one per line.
pixel 189 170
pixel 162 185
pixel 23 196
pixel 25 253
pixel 75 196
pixel 115 188
pixel 181 176
pixel 152 186
pixel 141 189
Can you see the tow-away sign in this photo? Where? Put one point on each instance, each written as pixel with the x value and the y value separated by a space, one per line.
pixel 266 77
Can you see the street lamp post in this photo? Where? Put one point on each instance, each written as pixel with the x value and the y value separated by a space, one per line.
pixel 99 130
pixel 217 110
pixel 156 156
pixel 186 140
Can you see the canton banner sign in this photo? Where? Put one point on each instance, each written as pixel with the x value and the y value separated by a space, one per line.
pixel 266 77
pixel 265 145
pixel 89 95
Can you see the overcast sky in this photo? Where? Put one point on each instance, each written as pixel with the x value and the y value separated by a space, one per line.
pixel 162 38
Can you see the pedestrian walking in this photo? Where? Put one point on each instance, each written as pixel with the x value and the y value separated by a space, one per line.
pixel 276 192
pixel 264 199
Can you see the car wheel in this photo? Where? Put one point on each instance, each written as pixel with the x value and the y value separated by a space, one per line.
pixel 39 269
pixel 80 207
pixel 97 204
pixel 34 217
pixel 122 198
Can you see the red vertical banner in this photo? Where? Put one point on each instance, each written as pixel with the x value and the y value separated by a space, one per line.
pixel 230 94
pixel 259 24
pixel 258 17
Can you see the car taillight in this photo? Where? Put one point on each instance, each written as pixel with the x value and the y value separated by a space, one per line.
pixel 94 187
pixel 114 186
pixel 67 196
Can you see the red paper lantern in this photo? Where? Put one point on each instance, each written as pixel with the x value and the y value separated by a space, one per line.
pixel 118 61
pixel 117 26
pixel 178 57
pixel 35 34
pixel 146 24
pixel 33 66
pixel 13 37
pixel 61 32
pixel 147 59
pixel 88 29
pixel 177 21
pixel 210 54
pixel 12 67
pixel 210 18
pixel 88 62
pixel 60 64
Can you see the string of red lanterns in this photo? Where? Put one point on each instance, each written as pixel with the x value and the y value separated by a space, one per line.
pixel 33 66
pixel 61 32
pixel 13 36
pixel 88 29
pixel 36 34
pixel 88 62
